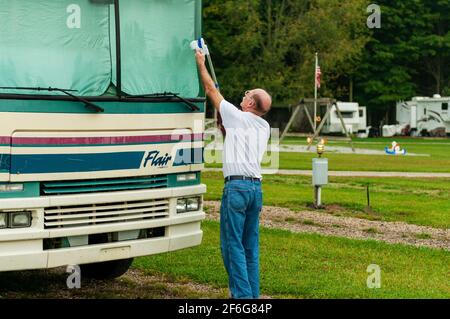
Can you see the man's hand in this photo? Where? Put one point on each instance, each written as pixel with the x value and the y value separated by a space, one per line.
pixel 199 57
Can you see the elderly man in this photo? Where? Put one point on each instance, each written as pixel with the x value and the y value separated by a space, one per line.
pixel 247 134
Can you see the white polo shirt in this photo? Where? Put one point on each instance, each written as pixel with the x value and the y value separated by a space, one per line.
pixel 245 143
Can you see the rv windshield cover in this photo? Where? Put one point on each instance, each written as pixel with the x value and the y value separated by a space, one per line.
pixel 72 44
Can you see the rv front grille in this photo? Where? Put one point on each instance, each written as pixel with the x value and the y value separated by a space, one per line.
pixel 95 214
pixel 103 185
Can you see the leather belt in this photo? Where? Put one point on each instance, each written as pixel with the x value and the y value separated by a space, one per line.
pixel 241 178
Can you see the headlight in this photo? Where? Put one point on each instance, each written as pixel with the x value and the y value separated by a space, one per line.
pixel 193 203
pixel 3 220
pixel 186 177
pixel 11 187
pixel 191 177
pixel 181 205
pixel 20 219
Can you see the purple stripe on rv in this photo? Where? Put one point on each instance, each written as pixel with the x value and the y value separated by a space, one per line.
pixel 5 140
pixel 109 140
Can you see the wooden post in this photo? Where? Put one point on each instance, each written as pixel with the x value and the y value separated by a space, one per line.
pixel 288 125
pixel 309 117
pixel 343 126
pixel 327 114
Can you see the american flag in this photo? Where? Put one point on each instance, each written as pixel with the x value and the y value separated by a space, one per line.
pixel 318 74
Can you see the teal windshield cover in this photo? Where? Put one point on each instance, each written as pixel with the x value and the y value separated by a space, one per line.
pixel 156 56
pixel 63 44
pixel 70 44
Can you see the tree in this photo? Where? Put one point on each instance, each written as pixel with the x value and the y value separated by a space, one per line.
pixel 434 45
pixel 271 44
pixel 408 56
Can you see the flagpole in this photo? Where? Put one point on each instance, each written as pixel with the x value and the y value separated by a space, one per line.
pixel 315 93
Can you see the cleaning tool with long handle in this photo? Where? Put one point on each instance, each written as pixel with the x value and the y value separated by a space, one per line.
pixel 201 45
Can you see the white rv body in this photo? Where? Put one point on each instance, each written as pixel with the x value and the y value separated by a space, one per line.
pixel 354 116
pixel 424 114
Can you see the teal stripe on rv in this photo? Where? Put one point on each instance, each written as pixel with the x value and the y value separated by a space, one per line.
pixel 189 156
pixel 91 162
pixel 71 163
pixel 5 160
pixel 50 106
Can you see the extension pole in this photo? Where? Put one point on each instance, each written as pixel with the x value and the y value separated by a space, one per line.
pixel 213 74
pixel 315 93
pixel 200 44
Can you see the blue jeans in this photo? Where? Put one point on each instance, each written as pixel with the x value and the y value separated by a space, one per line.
pixel 239 236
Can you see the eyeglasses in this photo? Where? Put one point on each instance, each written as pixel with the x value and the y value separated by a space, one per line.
pixel 247 95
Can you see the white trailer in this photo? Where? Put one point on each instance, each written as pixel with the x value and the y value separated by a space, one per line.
pixel 425 115
pixel 354 116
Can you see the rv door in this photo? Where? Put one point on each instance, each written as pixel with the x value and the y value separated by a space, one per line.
pixel 362 118
pixel 413 121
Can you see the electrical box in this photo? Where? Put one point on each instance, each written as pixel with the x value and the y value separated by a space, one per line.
pixel 320 171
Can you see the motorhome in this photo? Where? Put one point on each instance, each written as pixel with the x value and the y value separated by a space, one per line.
pixel 424 115
pixel 354 117
pixel 101 132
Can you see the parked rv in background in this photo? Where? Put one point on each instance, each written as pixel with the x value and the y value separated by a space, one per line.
pixel 422 116
pixel 354 116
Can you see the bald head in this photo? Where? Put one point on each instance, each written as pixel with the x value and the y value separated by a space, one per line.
pixel 263 100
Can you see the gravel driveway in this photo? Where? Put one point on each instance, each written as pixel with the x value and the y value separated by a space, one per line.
pixel 355 228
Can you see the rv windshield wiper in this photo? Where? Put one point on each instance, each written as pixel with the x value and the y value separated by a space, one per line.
pixel 87 104
pixel 189 104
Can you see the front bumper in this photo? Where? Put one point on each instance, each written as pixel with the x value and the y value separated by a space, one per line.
pixel 22 249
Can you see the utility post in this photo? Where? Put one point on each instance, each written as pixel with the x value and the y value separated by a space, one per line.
pixel 319 174
pixel 316 85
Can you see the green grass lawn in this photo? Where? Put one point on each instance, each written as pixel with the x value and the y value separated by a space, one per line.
pixel 314 266
pixel 353 162
pixel 385 141
pixel 415 201
pixel 423 144
pixel 438 161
